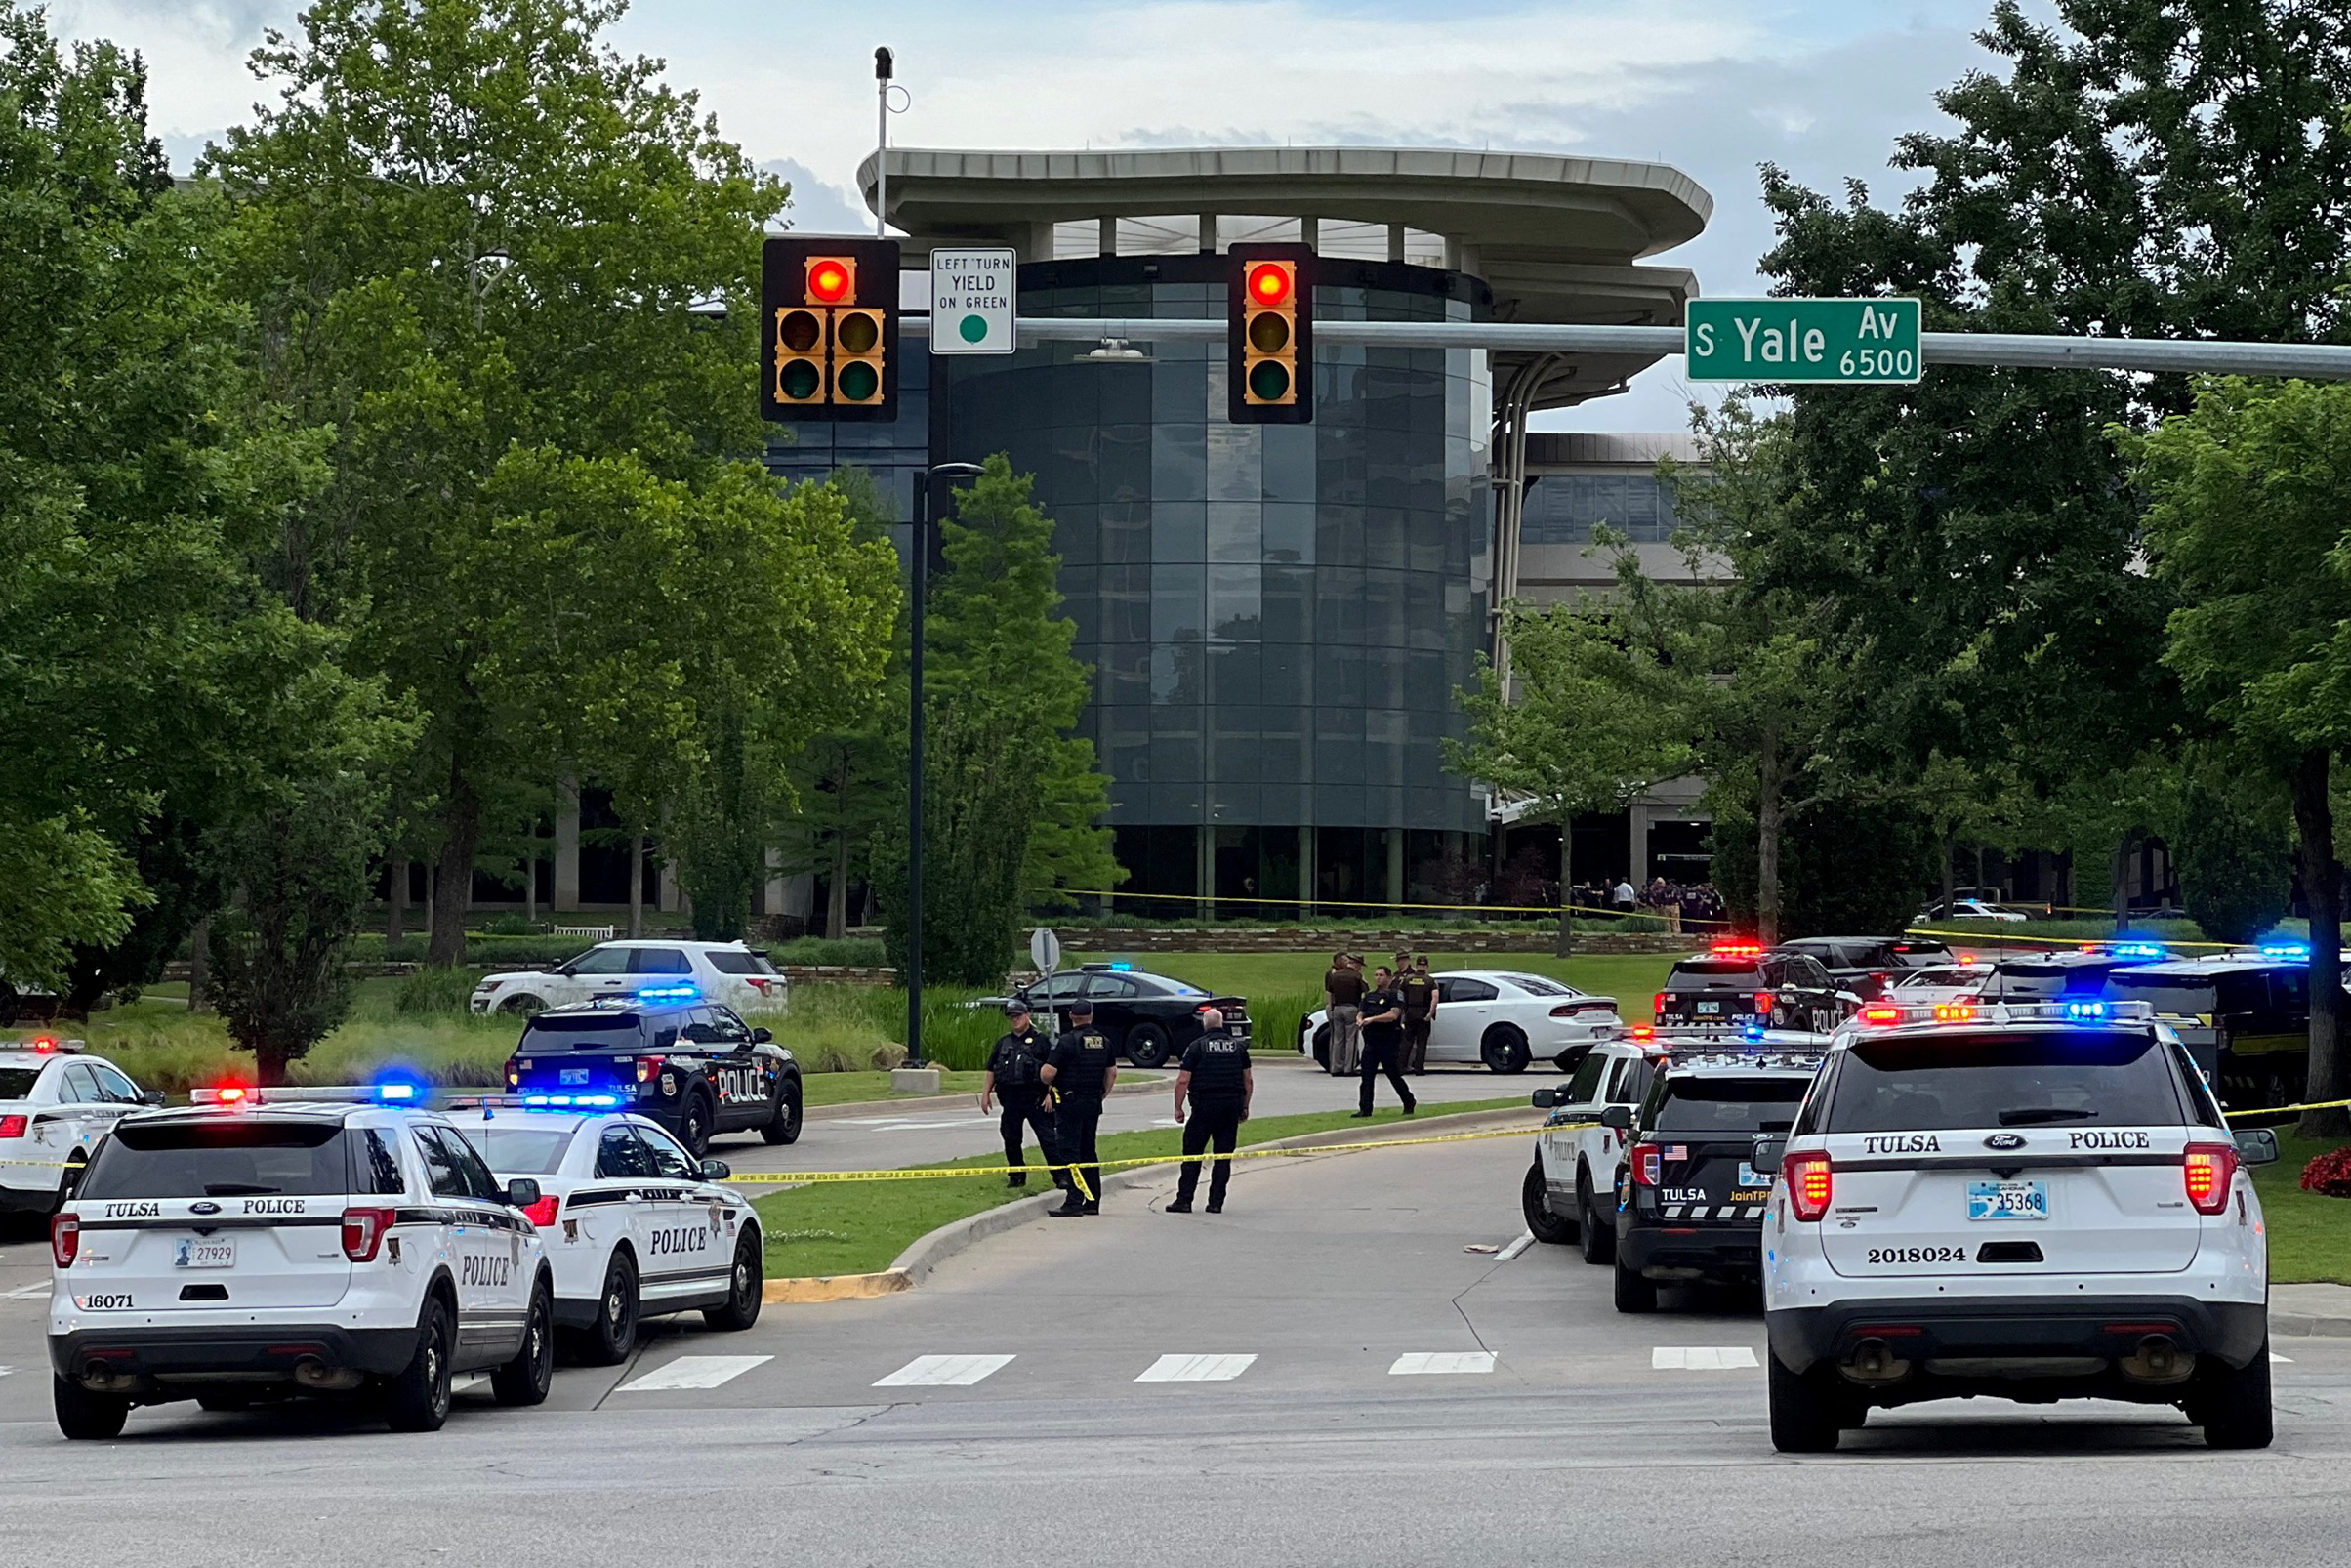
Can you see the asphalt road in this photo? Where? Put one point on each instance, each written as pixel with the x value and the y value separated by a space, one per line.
pixel 1548 1429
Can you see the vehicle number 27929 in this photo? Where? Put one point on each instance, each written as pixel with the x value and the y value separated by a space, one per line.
pixel 1918 1255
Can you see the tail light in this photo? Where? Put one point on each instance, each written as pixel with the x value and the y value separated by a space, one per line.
pixel 363 1232
pixel 1765 1001
pixel 64 1239
pixel 1648 1164
pixel 647 1066
pixel 542 1213
pixel 1569 1010
pixel 14 1126
pixel 1661 1006
pixel 2208 1169
pixel 1812 1182
pixel 514 1076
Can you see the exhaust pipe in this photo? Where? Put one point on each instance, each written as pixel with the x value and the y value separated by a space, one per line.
pixel 1873 1361
pixel 2158 1360
pixel 318 1376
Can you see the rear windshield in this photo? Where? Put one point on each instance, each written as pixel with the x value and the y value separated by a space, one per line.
pixel 731 963
pixel 1713 971
pixel 590 1031
pixel 221 1159
pixel 520 1150
pixel 1728 1104
pixel 2076 1077
pixel 16 1082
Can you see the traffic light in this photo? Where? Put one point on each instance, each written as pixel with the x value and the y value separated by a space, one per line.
pixel 829 328
pixel 1270 349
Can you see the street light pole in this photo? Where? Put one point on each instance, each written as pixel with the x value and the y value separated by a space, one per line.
pixel 886 67
pixel 921 592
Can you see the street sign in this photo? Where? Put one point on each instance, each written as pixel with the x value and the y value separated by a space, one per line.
pixel 974 293
pixel 1044 950
pixel 1802 340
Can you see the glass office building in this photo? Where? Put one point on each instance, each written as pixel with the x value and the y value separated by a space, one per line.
pixel 1278 616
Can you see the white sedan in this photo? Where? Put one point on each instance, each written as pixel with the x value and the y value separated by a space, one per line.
pixel 1502 1017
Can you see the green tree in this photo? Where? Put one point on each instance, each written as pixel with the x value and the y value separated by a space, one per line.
pixel 1587 721
pixel 2234 847
pixel 2245 520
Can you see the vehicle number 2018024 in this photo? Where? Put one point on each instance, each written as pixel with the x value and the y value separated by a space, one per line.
pixel 1918 1255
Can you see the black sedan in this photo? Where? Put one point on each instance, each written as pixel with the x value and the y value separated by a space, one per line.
pixel 1149 1017
pixel 1866 965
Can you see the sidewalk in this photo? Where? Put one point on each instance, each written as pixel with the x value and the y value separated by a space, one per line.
pixel 2310 1309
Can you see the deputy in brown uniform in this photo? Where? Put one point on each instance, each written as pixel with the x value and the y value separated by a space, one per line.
pixel 1417 991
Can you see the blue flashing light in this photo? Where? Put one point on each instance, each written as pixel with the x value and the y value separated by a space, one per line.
pixel 606 1101
pixel 2285 950
pixel 400 1090
pixel 1755 1032
pixel 535 1099
pixel 668 992
pixel 1122 964
pixel 2147 950
pixel 2085 1011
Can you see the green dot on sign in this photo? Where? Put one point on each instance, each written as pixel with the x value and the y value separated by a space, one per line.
pixel 973 328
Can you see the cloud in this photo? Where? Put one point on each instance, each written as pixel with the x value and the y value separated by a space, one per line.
pixel 819 208
pixel 196 51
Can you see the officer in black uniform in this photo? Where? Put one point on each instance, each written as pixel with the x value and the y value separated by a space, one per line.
pixel 1382 1040
pixel 1081 1069
pixel 1216 1076
pixel 1015 1069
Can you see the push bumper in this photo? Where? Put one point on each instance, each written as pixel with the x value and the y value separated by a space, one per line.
pixel 224 1354
pixel 1725 1252
pixel 2018 1327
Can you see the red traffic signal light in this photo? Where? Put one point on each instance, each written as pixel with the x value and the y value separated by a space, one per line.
pixel 1271 283
pixel 1269 353
pixel 829 325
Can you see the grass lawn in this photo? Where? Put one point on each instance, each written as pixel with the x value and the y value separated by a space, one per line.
pixel 847 1089
pixel 859 1227
pixel 2309 1233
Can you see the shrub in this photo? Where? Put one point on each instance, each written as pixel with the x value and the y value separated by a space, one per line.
pixel 434 994
pixel 2330 1173
pixel 515 926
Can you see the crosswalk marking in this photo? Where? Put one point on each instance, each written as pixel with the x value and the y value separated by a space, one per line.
pixel 693 1372
pixel 943 1372
pixel 1195 1369
pixel 1442 1361
pixel 1701 1357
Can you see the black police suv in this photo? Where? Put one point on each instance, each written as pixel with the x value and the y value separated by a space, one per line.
pixel 1149 1017
pixel 1692 1201
pixel 1737 983
pixel 695 1067
pixel 1866 966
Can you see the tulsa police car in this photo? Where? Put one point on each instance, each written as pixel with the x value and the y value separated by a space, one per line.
pixel 259 1249
pixel 1571 1188
pixel 54 1104
pixel 633 1225
pixel 693 1066
pixel 2033 1201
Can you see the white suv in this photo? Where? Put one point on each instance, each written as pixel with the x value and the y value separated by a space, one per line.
pixel 245 1252
pixel 54 1104
pixel 2029 1200
pixel 728 972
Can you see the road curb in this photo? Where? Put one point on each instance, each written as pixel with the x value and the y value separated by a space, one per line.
pixel 2302 1325
pixel 802 1289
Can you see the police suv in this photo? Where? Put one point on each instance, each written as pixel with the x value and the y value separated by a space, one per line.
pixel 1570 1190
pixel 633 1225
pixel 54 1104
pixel 693 1066
pixel 2033 1201
pixel 258 1249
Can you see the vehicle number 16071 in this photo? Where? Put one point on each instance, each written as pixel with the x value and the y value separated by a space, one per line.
pixel 1918 1255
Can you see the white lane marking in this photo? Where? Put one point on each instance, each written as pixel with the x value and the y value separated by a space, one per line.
pixel 1701 1358
pixel 693 1372
pixel 1442 1361
pixel 23 1292
pixel 1195 1369
pixel 1526 1239
pixel 2277 1360
pixel 943 1372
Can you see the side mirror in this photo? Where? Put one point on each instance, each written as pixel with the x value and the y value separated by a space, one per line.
pixel 2257 1146
pixel 1545 1098
pixel 154 1097
pixel 1769 1151
pixel 521 1192
pixel 761 1037
pixel 716 1169
pixel 565 970
pixel 1619 1117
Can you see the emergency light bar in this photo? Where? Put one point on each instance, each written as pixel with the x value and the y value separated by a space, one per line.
pixel 488 1103
pixel 1794 1061
pixel 1892 1014
pixel 391 1092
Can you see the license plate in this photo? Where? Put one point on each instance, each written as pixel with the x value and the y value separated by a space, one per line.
pixel 571 1075
pixel 206 1251
pixel 2008 1200
pixel 1710 1009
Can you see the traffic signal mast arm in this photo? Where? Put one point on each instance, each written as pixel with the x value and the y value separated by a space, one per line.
pixel 2320 361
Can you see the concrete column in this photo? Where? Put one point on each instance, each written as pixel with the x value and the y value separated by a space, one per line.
pixel 667 898
pixel 1208 233
pixel 1395 865
pixel 1309 233
pixel 1637 828
pixel 1205 872
pixel 1396 242
pixel 1107 243
pixel 1309 875
pixel 567 845
pixel 771 893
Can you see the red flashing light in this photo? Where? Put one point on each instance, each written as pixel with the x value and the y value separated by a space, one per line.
pixel 363 1232
pixel 231 1094
pixel 14 1126
pixel 542 1213
pixel 1644 1032
pixel 1648 1164
pixel 1811 1183
pixel 1270 284
pixel 44 1043
pixel 1738 947
pixel 1881 1014
pixel 64 1239
pixel 831 280
pixel 2207 1170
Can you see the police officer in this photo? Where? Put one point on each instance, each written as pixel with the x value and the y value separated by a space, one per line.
pixel 1417 989
pixel 1015 1076
pixel 1216 1076
pixel 1382 1040
pixel 1081 1069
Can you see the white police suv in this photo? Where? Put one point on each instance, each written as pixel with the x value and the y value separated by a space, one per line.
pixel 1570 1190
pixel 54 1104
pixel 259 1250
pixel 2030 1201
pixel 634 1225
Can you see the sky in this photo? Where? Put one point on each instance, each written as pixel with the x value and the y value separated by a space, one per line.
pixel 1713 87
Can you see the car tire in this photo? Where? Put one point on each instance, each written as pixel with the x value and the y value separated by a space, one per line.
pixel 526 1379
pixel 1534 1199
pixel 746 1288
pixel 521 1006
pixel 1146 1045
pixel 784 1126
pixel 1806 1414
pixel 696 1121
pixel 608 1341
pixel 84 1417
pixel 1597 1236
pixel 1504 1049
pixel 2233 1407
pixel 1322 1051
pixel 1633 1291
pixel 417 1398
